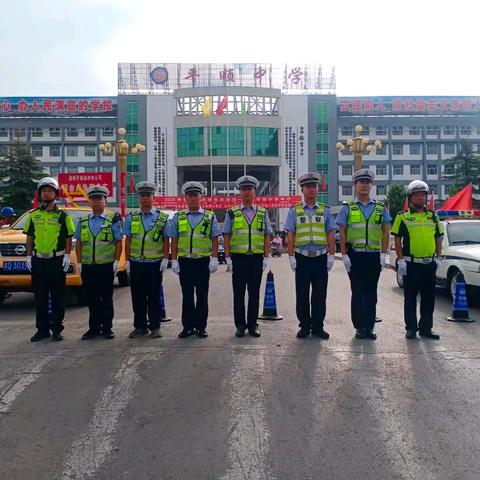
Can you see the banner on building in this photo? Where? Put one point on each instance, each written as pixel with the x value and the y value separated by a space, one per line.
pixel 85 180
pixel 223 202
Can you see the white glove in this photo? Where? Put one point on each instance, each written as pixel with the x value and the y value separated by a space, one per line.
pixel 115 267
pixel 66 262
pixel 127 266
pixel 29 263
pixel 229 263
pixel 330 262
pixel 383 259
pixel 438 261
pixel 213 265
pixel 347 263
pixel 265 263
pixel 164 265
pixel 402 266
pixel 79 268
pixel 175 267
pixel 293 263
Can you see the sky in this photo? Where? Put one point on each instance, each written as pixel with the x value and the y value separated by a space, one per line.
pixel 72 47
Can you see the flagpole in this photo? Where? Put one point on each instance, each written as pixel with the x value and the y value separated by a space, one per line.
pixel 244 138
pixel 210 153
pixel 228 148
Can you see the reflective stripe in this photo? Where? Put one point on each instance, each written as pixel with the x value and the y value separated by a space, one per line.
pixel 147 244
pixel 310 229
pixel 99 248
pixel 363 233
pixel 421 229
pixel 196 242
pixel 248 237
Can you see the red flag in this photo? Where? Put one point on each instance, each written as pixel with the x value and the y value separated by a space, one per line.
pixel 132 184
pixel 324 185
pixel 35 200
pixel 431 203
pixel 405 205
pixel 222 105
pixel 461 200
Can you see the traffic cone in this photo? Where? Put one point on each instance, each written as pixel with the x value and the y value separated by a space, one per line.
pixel 270 302
pixel 460 301
pixel 163 313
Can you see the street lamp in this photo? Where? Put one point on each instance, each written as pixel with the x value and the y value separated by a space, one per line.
pixel 123 148
pixel 358 145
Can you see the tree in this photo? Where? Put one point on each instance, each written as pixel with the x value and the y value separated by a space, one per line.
pixel 396 198
pixel 462 169
pixel 19 172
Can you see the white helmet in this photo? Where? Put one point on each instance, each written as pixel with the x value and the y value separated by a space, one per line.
pixel 48 182
pixel 417 186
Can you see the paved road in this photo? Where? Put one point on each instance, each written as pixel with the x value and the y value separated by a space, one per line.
pixel 227 408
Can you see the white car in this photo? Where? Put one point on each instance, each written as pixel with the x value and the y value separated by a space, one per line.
pixel 460 252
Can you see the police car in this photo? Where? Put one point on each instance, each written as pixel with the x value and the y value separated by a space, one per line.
pixel 460 252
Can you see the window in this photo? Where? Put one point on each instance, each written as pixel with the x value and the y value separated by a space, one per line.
pixel 72 132
pixel 398 169
pixel 90 150
pixel 347 131
pixel 347 190
pixel 465 130
pixel 3 150
pixel 90 131
pixel 54 132
pixel 397 149
pixel 107 131
pixel 72 151
pixel 432 169
pixel 365 131
pixel 37 150
pixel 54 150
pixel 432 130
pixel 414 169
pixel 19 132
pixel 432 149
pixel 3 132
pixel 381 189
pixel 397 130
pixel 107 169
pixel 54 171
pixel 90 169
pixel 449 148
pixel 71 169
pixel 449 130
pixel 414 130
pixel 382 150
pixel 381 131
pixel 414 149
pixel 448 169
pixel 36 132
pixel 322 167
pixel 190 142
pixel 265 142
pixel 347 170
pixel 381 169
pixel 322 127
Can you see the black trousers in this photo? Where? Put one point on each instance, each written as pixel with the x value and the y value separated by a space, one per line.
pixel 311 272
pixel 364 276
pixel 48 282
pixel 420 278
pixel 98 286
pixel 194 279
pixel 145 285
pixel 247 273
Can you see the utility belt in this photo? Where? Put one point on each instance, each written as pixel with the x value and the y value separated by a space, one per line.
pixel 365 249
pixel 49 255
pixel 311 253
pixel 423 260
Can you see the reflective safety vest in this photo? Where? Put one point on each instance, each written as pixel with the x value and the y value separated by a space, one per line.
pixel 99 248
pixel 248 237
pixel 310 229
pixel 363 233
pixel 194 242
pixel 147 244
pixel 421 229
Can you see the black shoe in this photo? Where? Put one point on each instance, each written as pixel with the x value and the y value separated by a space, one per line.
pixel 89 334
pixel 429 334
pixel 371 335
pixel 411 334
pixel 186 333
pixel 240 332
pixel 202 334
pixel 108 335
pixel 254 332
pixel 303 333
pixel 57 337
pixel 137 333
pixel 40 336
pixel 360 333
pixel 321 334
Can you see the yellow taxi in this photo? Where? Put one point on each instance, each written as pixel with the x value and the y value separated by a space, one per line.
pixel 14 275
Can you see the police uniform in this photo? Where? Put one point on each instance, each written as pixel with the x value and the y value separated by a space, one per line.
pixel 247 227
pixel 49 230
pixel 418 231
pixel 310 225
pixel 363 224
pixel 193 233
pixel 146 232
pixel 97 236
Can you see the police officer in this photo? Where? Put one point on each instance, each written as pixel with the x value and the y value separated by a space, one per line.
pixel 49 233
pixel 364 226
pixel 418 243
pixel 146 251
pixel 98 248
pixel 194 233
pixel 246 232
pixel 310 228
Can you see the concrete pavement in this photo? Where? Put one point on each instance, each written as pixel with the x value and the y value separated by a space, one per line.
pixel 226 408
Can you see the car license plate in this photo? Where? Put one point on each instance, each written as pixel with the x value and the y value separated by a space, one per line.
pixel 16 266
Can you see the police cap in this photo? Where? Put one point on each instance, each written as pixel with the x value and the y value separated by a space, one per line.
pixel 192 187
pixel 307 178
pixel 247 181
pixel 363 174
pixel 145 187
pixel 97 191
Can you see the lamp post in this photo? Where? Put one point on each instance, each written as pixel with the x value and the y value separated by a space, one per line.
pixel 358 146
pixel 123 148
